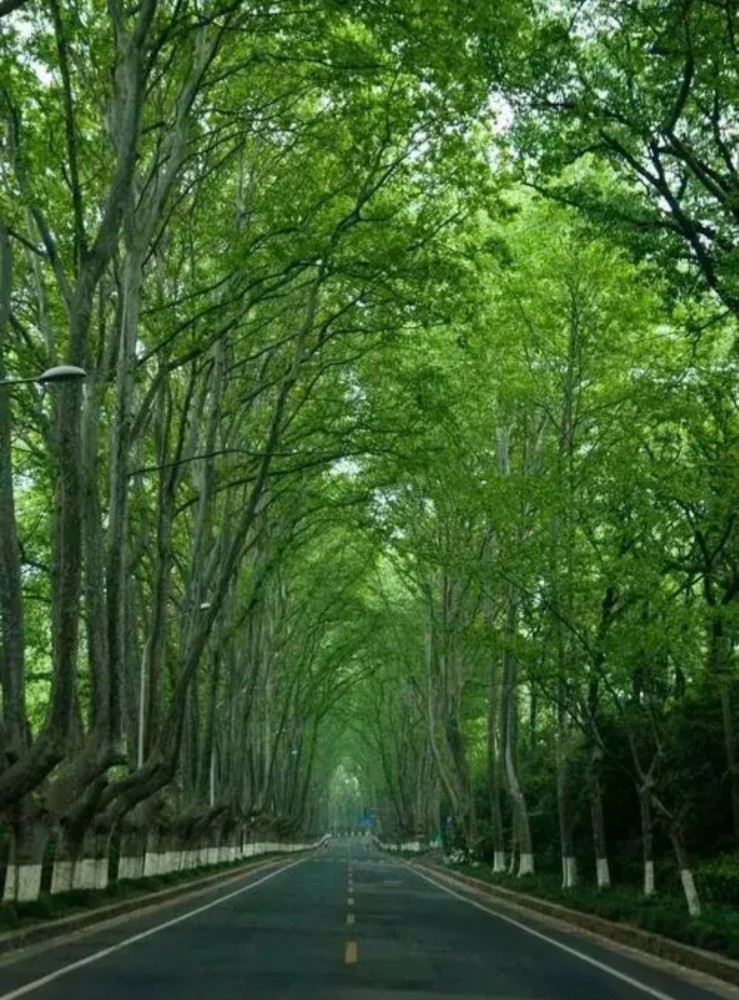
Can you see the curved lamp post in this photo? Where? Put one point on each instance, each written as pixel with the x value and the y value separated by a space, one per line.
pixel 59 373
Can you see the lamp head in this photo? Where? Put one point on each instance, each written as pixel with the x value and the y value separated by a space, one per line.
pixel 61 373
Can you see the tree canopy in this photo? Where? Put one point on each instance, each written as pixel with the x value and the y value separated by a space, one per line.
pixel 401 487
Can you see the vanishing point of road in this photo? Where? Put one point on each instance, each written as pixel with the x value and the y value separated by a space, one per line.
pixel 343 923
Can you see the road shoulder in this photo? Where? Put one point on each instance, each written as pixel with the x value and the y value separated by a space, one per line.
pixel 552 919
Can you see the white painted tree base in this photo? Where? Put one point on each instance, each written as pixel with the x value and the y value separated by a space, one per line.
pixel 85 873
pixel 61 876
pixel 499 862
pixel 101 873
pixel 603 873
pixel 131 867
pixel 569 872
pixel 691 893
pixel 22 883
pixel 649 878
pixel 526 865
pixel 151 862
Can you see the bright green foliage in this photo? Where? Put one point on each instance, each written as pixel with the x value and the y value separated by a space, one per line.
pixel 403 480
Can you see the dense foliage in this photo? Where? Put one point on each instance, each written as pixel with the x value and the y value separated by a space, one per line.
pixel 403 480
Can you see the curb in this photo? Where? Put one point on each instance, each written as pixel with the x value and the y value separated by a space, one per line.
pixel 696 959
pixel 50 930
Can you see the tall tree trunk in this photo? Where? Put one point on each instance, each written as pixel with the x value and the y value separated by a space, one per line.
pixel 14 726
pixel 681 856
pixel 686 875
pixel 644 790
pixel 495 776
pixel 510 744
pixel 720 654
pixel 597 820
pixel 564 802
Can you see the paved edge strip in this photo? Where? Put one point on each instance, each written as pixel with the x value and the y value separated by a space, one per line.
pixel 696 959
pixel 52 930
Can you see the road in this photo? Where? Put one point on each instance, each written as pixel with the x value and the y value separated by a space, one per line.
pixel 344 923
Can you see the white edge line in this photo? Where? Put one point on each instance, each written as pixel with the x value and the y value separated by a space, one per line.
pixel 103 953
pixel 557 944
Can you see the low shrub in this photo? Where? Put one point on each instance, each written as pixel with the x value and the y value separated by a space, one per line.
pixel 718 879
pixel 8 917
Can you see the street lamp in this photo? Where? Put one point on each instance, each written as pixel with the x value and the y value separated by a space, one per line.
pixel 186 614
pixel 59 373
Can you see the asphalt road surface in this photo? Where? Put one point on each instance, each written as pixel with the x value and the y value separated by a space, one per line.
pixel 344 923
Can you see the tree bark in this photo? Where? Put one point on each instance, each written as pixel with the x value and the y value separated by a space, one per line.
pixel 597 819
pixel 510 738
pixel 495 776
pixel 14 729
pixel 647 833
pixel 720 653
pixel 564 802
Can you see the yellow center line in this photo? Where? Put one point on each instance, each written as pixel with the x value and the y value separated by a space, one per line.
pixel 350 953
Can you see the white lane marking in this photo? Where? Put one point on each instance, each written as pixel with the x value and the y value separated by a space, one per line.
pixel 104 952
pixel 557 944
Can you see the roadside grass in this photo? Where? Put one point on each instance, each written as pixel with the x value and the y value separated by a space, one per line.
pixel 717 929
pixel 14 916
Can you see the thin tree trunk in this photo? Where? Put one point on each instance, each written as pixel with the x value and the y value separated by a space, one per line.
pixel 681 856
pixel 602 870
pixel 564 804
pixel 510 745
pixel 647 834
pixel 495 778
pixel 13 726
pixel 720 653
